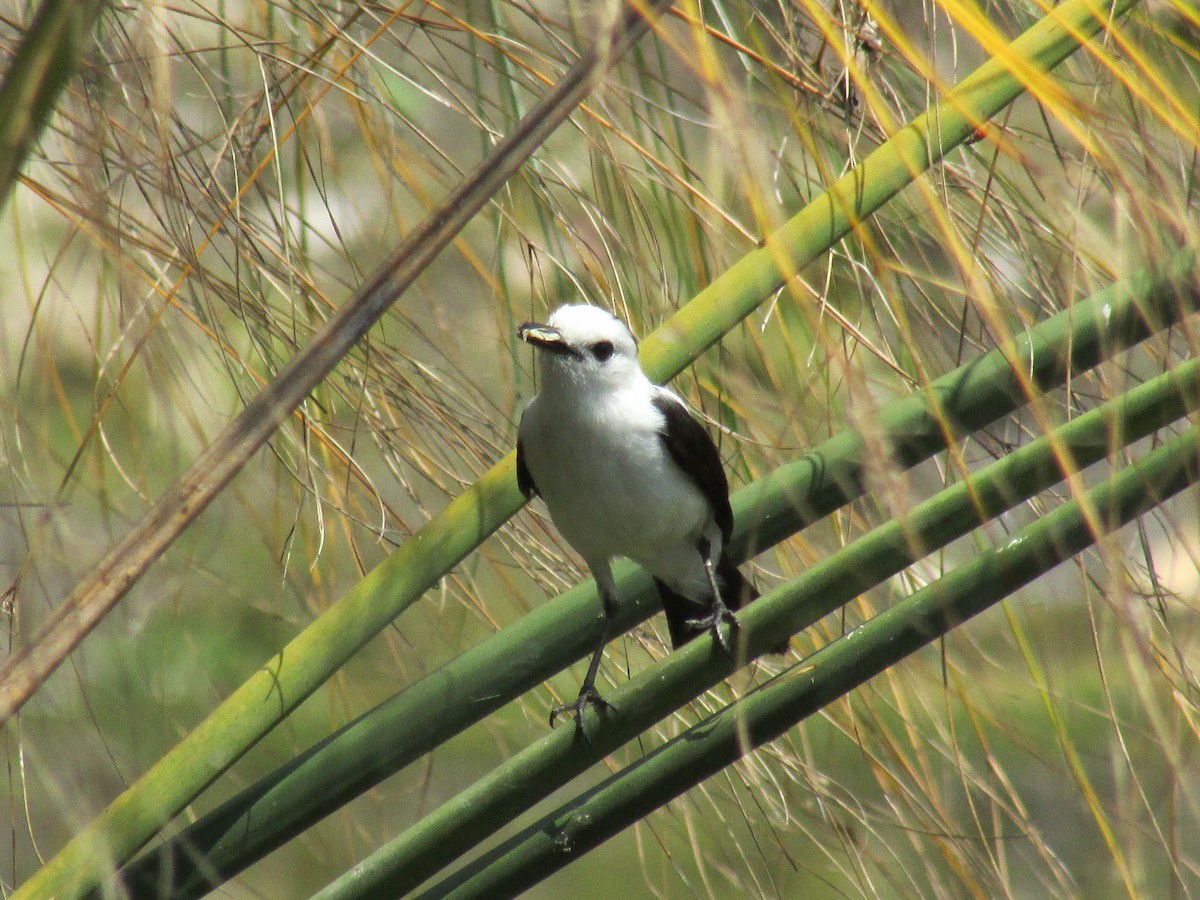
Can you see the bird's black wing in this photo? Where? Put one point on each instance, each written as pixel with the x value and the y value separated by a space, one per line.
pixel 696 455
pixel 524 478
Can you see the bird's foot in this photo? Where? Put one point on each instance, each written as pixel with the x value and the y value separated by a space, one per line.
pixel 588 696
pixel 712 622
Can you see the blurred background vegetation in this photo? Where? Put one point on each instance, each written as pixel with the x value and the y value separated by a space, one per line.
pixel 220 175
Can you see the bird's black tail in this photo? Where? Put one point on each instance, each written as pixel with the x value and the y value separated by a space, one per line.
pixel 736 591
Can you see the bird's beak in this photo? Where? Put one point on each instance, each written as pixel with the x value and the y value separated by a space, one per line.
pixel 544 337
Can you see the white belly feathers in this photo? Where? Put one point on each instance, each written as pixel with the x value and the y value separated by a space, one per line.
pixel 616 492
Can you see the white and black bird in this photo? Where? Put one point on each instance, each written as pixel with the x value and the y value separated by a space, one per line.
pixel 626 471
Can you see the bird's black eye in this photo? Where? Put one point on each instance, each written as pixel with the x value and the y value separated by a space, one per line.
pixel 602 350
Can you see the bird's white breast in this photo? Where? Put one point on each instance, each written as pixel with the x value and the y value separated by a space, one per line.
pixel 610 485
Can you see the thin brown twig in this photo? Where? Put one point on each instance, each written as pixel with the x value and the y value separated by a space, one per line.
pixel 108 582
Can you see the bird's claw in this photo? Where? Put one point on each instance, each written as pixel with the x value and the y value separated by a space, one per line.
pixel 588 696
pixel 712 622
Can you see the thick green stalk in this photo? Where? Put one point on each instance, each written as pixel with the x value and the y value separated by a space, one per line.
pixel 534 773
pixel 766 713
pixel 522 655
pixel 49 54
pixel 865 189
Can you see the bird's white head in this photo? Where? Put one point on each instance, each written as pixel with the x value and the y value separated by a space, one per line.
pixel 583 347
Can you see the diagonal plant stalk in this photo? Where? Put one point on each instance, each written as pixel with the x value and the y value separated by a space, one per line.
pixel 770 710
pixel 191 493
pixel 309 659
pixel 880 176
pixel 265 815
pixel 485 807
pixel 45 61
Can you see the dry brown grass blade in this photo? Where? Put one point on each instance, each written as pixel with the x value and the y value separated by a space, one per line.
pixel 100 591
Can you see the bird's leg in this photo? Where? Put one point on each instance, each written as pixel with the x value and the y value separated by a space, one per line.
pixel 720 612
pixel 588 695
